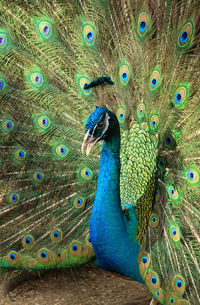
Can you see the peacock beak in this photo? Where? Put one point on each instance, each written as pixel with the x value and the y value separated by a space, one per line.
pixel 89 142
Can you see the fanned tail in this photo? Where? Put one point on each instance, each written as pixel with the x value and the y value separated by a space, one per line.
pixel 48 52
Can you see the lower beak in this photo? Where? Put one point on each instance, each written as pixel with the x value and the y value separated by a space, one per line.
pixel 88 142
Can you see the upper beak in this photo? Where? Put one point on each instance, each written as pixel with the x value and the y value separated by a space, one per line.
pixel 88 141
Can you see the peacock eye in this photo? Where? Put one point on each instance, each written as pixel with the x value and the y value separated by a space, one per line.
pixel 100 125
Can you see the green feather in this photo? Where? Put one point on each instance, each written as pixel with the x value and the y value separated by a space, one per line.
pixel 150 49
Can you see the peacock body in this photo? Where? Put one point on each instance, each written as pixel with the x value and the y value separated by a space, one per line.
pixel 144 223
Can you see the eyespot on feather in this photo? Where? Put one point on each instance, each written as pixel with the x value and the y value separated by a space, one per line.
pixel 61 151
pixel 2 84
pixel 152 280
pixel 45 256
pixel 82 81
pixel 143 24
pixel 154 220
pixel 43 122
pixel 76 248
pixel 8 126
pixel 79 202
pixel 89 35
pixel 45 29
pixel 186 35
pixel 13 198
pixel 169 141
pixel 170 299
pixel 175 233
pixel 14 258
pixel 56 235
pixel 38 176
pixel 192 175
pixel 161 163
pixel 155 80
pixel 37 79
pixel 157 193
pixel 88 241
pixel 144 261
pixel 28 242
pixel 154 140
pixel 159 294
pixel 20 154
pixel 3 40
pixel 172 192
pixel 178 284
pixel 60 255
pixel 121 114
pixel 154 122
pixel 124 74
pixel 180 96
pixel 86 173
pixel 141 111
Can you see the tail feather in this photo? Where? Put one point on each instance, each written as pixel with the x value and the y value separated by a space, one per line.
pixel 48 52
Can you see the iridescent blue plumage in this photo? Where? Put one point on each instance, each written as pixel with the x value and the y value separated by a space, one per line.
pixel 115 248
pixel 94 117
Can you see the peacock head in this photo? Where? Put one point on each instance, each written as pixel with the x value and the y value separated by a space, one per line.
pixel 102 124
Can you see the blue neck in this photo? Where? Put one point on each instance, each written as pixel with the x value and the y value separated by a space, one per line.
pixel 114 250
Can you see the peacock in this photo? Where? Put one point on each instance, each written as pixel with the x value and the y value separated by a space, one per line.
pixel 100 139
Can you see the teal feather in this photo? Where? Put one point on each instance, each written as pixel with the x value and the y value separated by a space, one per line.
pixel 142 186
